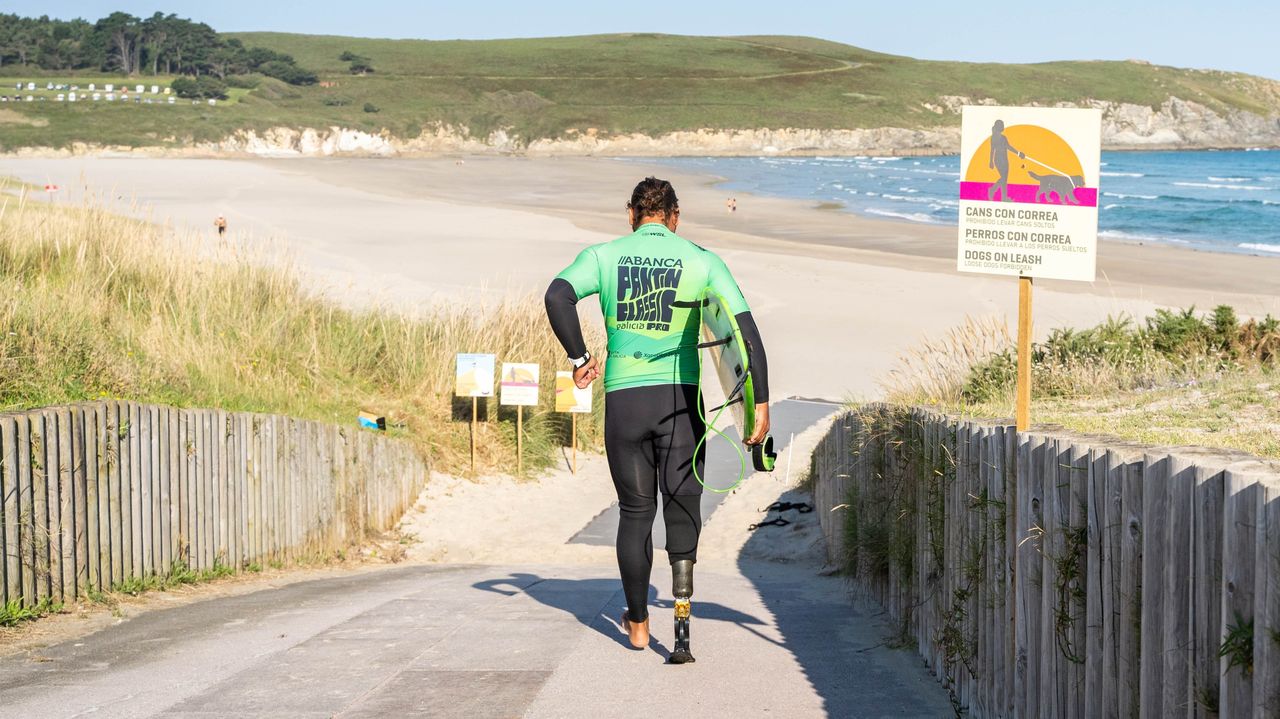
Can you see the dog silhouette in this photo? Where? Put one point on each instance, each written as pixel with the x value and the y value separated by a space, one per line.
pixel 1061 185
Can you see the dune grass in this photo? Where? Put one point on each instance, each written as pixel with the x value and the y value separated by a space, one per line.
pixel 628 83
pixel 95 305
pixel 1176 378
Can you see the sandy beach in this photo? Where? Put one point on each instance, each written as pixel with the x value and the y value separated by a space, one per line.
pixel 838 297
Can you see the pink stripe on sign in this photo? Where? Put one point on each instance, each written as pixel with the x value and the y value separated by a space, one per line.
pixel 981 191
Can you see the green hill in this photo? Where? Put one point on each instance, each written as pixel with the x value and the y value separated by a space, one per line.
pixel 551 87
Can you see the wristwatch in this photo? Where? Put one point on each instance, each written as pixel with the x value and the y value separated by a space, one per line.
pixel 577 363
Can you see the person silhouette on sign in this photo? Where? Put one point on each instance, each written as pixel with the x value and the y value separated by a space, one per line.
pixel 1000 149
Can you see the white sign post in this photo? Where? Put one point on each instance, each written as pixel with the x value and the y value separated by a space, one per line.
pixel 520 388
pixel 474 379
pixel 1029 205
pixel 575 401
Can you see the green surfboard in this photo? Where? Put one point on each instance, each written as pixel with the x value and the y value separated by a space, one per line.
pixel 722 339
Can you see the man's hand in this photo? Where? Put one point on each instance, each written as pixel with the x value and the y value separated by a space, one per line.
pixel 762 425
pixel 587 373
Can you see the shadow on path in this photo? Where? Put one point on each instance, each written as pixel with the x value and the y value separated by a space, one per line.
pixel 566 595
pixel 841 645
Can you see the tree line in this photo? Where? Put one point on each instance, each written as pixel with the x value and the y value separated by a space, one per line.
pixel 120 42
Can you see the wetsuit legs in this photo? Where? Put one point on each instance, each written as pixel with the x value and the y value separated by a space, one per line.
pixel 650 436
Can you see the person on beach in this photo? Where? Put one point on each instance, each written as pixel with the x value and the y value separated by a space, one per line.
pixel 221 224
pixel 649 282
pixel 999 159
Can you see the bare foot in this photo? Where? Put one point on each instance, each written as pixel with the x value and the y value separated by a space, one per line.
pixel 637 632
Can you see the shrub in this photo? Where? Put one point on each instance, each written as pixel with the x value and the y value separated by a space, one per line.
pixel 288 72
pixel 204 87
pixel 974 364
pixel 336 101
pixel 361 67
pixel 246 82
pixel 370 107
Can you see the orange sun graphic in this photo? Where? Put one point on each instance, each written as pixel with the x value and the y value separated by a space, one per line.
pixel 1046 153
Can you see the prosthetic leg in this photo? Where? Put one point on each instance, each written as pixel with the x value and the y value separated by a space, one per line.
pixel 682 588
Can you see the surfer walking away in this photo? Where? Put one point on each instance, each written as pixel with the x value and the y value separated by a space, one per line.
pixel 649 283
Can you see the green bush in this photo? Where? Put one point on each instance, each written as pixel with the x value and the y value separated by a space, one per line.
pixel 1118 355
pixel 370 107
pixel 245 82
pixel 288 72
pixel 361 67
pixel 204 87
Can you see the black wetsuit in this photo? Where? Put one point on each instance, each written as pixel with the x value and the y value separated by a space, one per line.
pixel 652 423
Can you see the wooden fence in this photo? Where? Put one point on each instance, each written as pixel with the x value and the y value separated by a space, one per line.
pixel 95 495
pixel 1042 575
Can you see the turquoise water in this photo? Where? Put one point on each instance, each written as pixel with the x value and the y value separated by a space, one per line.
pixel 1226 201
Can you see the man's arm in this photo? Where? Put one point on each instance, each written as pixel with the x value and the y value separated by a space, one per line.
pixel 757 362
pixel 578 280
pixel 562 310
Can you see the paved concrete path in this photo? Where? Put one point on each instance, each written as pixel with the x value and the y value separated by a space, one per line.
pixel 788 418
pixel 466 641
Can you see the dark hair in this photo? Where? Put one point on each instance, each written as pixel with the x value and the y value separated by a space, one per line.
pixel 653 198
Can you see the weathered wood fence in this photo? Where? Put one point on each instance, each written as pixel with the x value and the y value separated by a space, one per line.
pixel 95 495
pixel 1050 576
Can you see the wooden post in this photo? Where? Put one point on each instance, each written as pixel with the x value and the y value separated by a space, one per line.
pixel 1024 354
pixel 519 439
pixel 473 435
pixel 573 438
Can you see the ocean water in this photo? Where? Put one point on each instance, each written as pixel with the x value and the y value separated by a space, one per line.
pixel 1226 201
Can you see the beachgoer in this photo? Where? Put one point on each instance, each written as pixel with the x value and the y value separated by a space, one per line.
pixel 728 204
pixel 648 284
pixel 999 159
pixel 733 204
pixel 221 224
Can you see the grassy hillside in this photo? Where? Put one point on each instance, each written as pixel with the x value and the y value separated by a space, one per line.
pixel 551 87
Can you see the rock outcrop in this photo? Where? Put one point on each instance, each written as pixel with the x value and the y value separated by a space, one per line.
pixel 1176 124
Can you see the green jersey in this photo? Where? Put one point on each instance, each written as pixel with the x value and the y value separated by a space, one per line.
pixel 648 283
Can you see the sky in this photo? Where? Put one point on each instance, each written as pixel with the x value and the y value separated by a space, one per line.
pixel 1221 34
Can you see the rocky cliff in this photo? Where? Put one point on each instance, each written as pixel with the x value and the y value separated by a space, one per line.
pixel 1177 124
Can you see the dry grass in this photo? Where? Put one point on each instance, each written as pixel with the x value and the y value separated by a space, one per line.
pixel 1109 382
pixel 935 371
pixel 96 305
